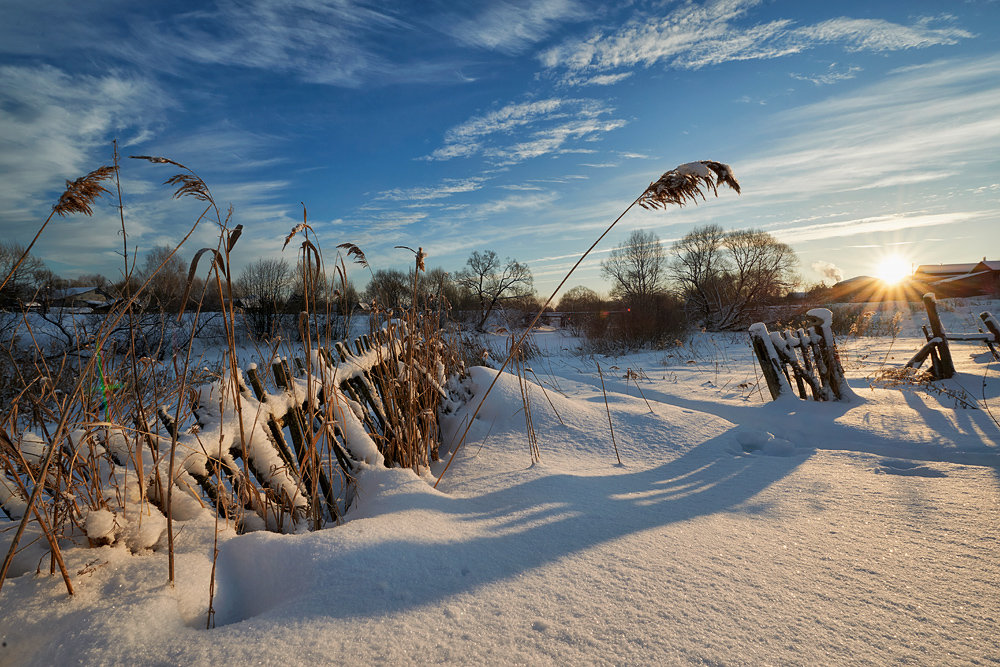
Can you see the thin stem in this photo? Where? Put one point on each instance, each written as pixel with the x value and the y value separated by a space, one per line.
pixel 70 398
pixel 517 346
pixel 27 250
pixel 608 408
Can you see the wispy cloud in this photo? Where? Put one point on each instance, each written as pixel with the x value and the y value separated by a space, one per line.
pixel 516 202
pixel 697 35
pixel 549 126
pixel 830 76
pixel 875 225
pixel 447 188
pixel 509 26
pixel 347 43
pixel 920 125
pixel 54 126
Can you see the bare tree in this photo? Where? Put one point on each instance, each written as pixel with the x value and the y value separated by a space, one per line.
pixel 636 268
pixel 24 278
pixel 166 290
pixel 310 287
pixel 493 281
pixel 264 285
pixel 580 299
pixel 698 265
pixel 390 289
pixel 725 276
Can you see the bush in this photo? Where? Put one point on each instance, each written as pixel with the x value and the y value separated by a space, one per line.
pixel 857 321
pixel 656 321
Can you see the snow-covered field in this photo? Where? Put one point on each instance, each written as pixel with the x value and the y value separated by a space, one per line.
pixel 736 531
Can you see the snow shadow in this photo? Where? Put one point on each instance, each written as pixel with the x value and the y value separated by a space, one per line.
pixel 473 541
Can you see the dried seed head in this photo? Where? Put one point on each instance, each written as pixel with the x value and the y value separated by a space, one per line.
pixel 295 230
pixel 189 185
pixel 157 160
pixel 355 252
pixel 687 182
pixel 82 192
pixel 420 254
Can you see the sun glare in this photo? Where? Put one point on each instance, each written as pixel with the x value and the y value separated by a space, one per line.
pixel 893 269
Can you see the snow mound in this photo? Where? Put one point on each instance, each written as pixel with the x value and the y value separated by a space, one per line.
pixel 578 425
pixel 758 441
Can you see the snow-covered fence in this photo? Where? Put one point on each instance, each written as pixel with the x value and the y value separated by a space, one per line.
pixel 936 347
pixel 276 451
pixel 806 356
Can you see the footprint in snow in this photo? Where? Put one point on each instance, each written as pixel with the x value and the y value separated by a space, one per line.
pixel 755 441
pixel 907 468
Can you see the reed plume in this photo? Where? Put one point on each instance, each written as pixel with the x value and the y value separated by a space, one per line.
pixel 77 198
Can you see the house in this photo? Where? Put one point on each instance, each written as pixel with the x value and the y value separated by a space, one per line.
pixel 930 273
pixel 959 280
pixel 80 297
pixel 990 276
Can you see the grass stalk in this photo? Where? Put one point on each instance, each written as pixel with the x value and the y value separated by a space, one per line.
pixel 678 186
pixel 608 408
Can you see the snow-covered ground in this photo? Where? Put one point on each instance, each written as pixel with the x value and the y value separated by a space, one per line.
pixel 735 531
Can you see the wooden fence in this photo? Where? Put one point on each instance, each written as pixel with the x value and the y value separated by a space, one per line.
pixel 806 356
pixel 937 349
pixel 276 450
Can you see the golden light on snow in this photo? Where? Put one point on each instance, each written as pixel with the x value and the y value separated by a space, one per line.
pixel 893 269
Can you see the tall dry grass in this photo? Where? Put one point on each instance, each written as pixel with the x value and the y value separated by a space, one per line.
pixel 106 442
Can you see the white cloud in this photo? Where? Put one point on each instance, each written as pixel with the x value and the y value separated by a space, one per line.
pixel 54 126
pixel 828 270
pixel 447 188
pixel 516 202
pixel 347 43
pixel 549 126
pixel 510 26
pixel 603 79
pixel 879 35
pixel 525 188
pixel 875 225
pixel 831 76
pixel 917 126
pixel 695 35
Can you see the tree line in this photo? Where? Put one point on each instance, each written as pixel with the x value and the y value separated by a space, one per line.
pixel 710 277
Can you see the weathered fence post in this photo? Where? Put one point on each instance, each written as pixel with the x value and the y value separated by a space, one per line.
pixel 828 353
pixel 770 365
pixel 809 355
pixel 947 366
pixel 993 328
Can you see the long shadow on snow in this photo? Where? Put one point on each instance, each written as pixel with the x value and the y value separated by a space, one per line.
pixel 800 422
pixel 552 517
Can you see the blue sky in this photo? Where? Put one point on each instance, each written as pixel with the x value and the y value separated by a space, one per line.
pixel 857 129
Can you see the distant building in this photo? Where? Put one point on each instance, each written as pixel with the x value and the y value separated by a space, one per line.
pixel 960 280
pixel 944 280
pixel 80 297
pixel 930 273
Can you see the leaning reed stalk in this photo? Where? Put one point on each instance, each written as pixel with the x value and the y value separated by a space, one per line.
pixel 608 408
pixel 71 397
pixel 679 186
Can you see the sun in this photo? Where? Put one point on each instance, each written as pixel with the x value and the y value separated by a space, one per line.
pixel 893 269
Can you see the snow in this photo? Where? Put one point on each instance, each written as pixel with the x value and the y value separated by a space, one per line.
pixel 737 531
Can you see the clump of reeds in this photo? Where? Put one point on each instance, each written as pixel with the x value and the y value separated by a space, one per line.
pixel 107 443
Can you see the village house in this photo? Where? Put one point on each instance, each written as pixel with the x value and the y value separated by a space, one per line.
pixel 959 280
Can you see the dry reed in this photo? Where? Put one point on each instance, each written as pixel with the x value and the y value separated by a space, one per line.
pixel 678 186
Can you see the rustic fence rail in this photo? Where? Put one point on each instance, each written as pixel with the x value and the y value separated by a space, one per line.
pixel 806 356
pixel 937 349
pixel 276 451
